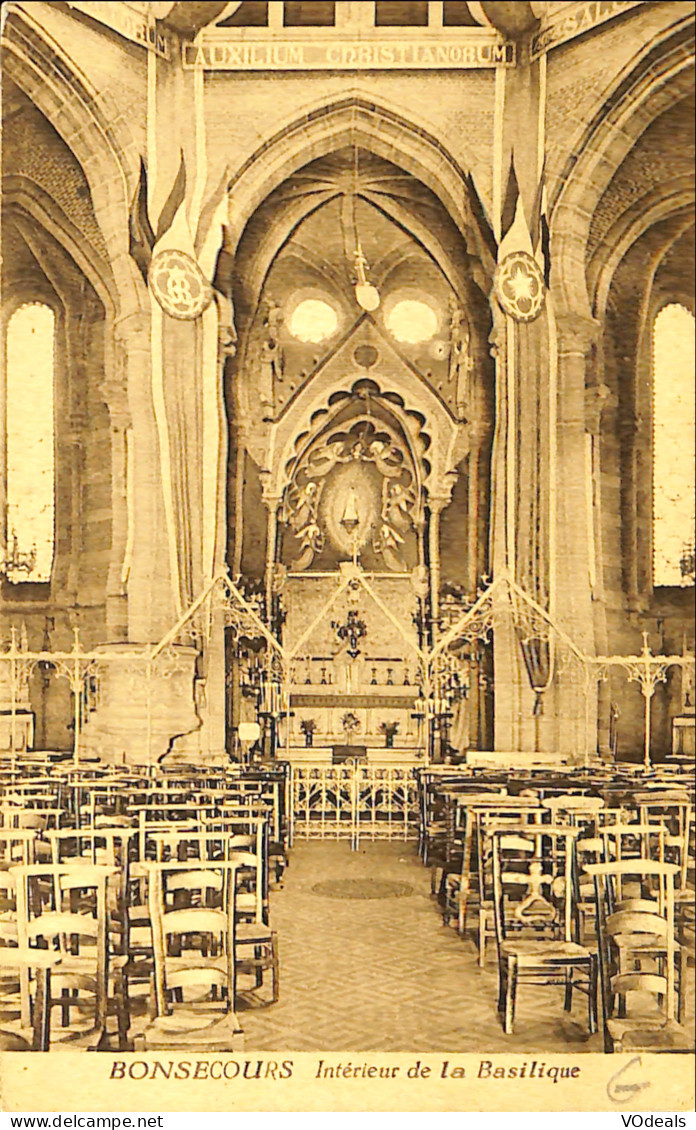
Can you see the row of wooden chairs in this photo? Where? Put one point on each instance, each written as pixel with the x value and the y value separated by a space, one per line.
pixel 74 911
pixel 528 862
pixel 82 859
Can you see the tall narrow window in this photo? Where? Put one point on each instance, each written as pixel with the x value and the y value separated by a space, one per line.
pixel 674 455
pixel 309 13
pixel 30 467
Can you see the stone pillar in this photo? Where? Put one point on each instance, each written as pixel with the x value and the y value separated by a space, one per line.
pixel 142 708
pixel 73 437
pixel 151 610
pixel 115 397
pixel 435 507
pixel 272 503
pixel 599 397
pixel 477 554
pixel 513 699
pixel 576 715
pixel 437 501
pixel 634 436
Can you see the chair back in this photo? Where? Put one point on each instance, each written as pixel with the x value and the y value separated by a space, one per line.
pixel 193 945
pixel 627 927
pixel 534 882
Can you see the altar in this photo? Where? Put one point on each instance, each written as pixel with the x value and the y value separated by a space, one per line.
pixel 381 721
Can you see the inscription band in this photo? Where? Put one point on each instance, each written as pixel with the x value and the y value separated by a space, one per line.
pixel 217 53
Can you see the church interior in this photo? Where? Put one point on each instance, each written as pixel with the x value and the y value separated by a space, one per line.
pixel 347 521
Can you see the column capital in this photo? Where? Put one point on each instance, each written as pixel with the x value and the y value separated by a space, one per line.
pixel 576 332
pixel 597 398
pixel 271 498
pixel 114 394
pixel 440 493
pixel 135 323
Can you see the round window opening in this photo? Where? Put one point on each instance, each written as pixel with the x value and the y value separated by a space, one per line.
pixel 313 320
pixel 412 321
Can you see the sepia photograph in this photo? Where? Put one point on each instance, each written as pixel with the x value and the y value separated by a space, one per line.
pixel 347 527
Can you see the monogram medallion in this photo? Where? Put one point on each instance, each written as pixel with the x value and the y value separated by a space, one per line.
pixel 179 285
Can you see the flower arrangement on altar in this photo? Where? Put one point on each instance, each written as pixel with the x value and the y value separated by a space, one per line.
pixel 308 726
pixel 389 729
pixel 351 724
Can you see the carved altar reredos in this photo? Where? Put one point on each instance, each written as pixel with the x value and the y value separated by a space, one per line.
pixel 294 250
pixel 363 416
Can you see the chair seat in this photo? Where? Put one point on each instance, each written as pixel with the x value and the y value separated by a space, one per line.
pixel 649 1033
pixel 141 937
pixel 248 933
pixel 640 943
pixel 530 951
pixel 195 1029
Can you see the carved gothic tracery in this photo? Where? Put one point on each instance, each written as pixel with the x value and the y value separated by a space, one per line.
pixel 370 464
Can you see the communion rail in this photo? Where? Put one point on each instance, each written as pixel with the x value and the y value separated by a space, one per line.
pixel 353 802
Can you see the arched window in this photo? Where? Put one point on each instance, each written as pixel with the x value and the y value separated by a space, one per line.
pixel 674 455
pixel 29 446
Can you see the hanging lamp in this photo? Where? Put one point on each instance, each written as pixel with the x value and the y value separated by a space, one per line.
pixel 366 294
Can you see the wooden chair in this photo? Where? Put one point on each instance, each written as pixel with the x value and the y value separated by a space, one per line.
pixel 535 922
pixel 487 817
pixel 64 908
pixel 39 963
pixel 577 810
pixel 194 957
pixel 471 809
pixel 640 960
pixel 674 810
pixel 257 943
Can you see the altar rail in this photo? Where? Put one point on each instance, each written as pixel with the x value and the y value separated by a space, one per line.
pixel 353 802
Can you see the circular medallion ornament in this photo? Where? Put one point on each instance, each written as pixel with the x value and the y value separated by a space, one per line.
pixel 179 285
pixel 519 286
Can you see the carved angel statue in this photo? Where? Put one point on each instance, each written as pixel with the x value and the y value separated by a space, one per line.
pixel 397 501
pixel 271 359
pixel 300 513
pixel 300 505
pixel 460 362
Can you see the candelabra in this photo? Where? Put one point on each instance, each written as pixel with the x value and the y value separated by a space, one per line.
pixel 687 562
pixel 17 561
pixel 351 632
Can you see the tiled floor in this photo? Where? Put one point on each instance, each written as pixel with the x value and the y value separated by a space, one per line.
pixel 386 975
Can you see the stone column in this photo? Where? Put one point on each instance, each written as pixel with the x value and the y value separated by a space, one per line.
pixel 272 503
pixel 151 610
pixel 513 698
pixel 599 397
pixel 73 437
pixel 437 501
pixel 435 508
pixel 573 596
pixel 115 397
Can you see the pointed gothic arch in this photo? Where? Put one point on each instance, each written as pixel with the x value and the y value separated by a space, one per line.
pixel 357 121
pixel 52 81
pixel 657 78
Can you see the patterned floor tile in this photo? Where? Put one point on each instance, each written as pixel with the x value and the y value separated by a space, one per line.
pixel 386 975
